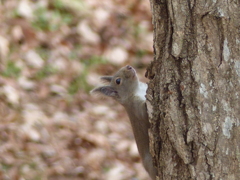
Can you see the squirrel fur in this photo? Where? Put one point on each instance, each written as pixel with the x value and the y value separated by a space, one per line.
pixel 126 89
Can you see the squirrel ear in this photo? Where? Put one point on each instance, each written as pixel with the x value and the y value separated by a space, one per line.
pixel 105 90
pixel 106 78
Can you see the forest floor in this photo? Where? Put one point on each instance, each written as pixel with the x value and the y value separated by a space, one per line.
pixel 52 53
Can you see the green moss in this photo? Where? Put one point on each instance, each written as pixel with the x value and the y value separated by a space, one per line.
pixel 43 52
pixel 44 72
pixel 51 20
pixel 141 53
pixel 5 166
pixel 11 70
pixel 94 60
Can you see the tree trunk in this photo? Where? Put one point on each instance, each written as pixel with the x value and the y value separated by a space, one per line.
pixel 193 97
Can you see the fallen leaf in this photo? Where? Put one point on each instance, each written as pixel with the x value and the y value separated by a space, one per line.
pixel 33 59
pixel 117 55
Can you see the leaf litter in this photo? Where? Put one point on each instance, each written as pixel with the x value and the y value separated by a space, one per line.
pixel 52 52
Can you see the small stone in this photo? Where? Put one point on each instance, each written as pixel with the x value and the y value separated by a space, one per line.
pixel 12 94
pixel 4 47
pixel 33 59
pixel 24 9
pixel 117 172
pixel 26 83
pixel 101 126
pixel 87 33
pixel 60 117
pixel 58 89
pixel 17 33
pixel 117 55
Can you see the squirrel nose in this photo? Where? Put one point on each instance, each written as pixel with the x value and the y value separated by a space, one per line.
pixel 129 67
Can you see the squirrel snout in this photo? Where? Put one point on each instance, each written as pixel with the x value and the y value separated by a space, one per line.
pixel 129 67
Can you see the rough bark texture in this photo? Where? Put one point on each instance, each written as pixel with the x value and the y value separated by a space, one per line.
pixel 194 90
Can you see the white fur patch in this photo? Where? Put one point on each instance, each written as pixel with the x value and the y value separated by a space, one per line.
pixel 141 91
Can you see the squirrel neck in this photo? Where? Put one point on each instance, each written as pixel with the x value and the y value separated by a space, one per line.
pixel 137 95
pixel 137 112
pixel 135 104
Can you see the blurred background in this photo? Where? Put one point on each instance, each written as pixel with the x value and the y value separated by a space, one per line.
pixel 52 52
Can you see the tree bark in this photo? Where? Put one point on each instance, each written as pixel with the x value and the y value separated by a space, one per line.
pixel 193 96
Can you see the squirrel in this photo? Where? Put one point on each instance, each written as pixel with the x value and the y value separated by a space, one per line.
pixel 126 89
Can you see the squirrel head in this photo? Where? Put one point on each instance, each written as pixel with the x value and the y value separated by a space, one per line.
pixel 121 86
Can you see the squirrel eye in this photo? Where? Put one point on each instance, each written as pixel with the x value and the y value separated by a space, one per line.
pixel 118 80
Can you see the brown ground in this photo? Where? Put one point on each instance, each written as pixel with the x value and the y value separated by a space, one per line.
pixel 52 53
